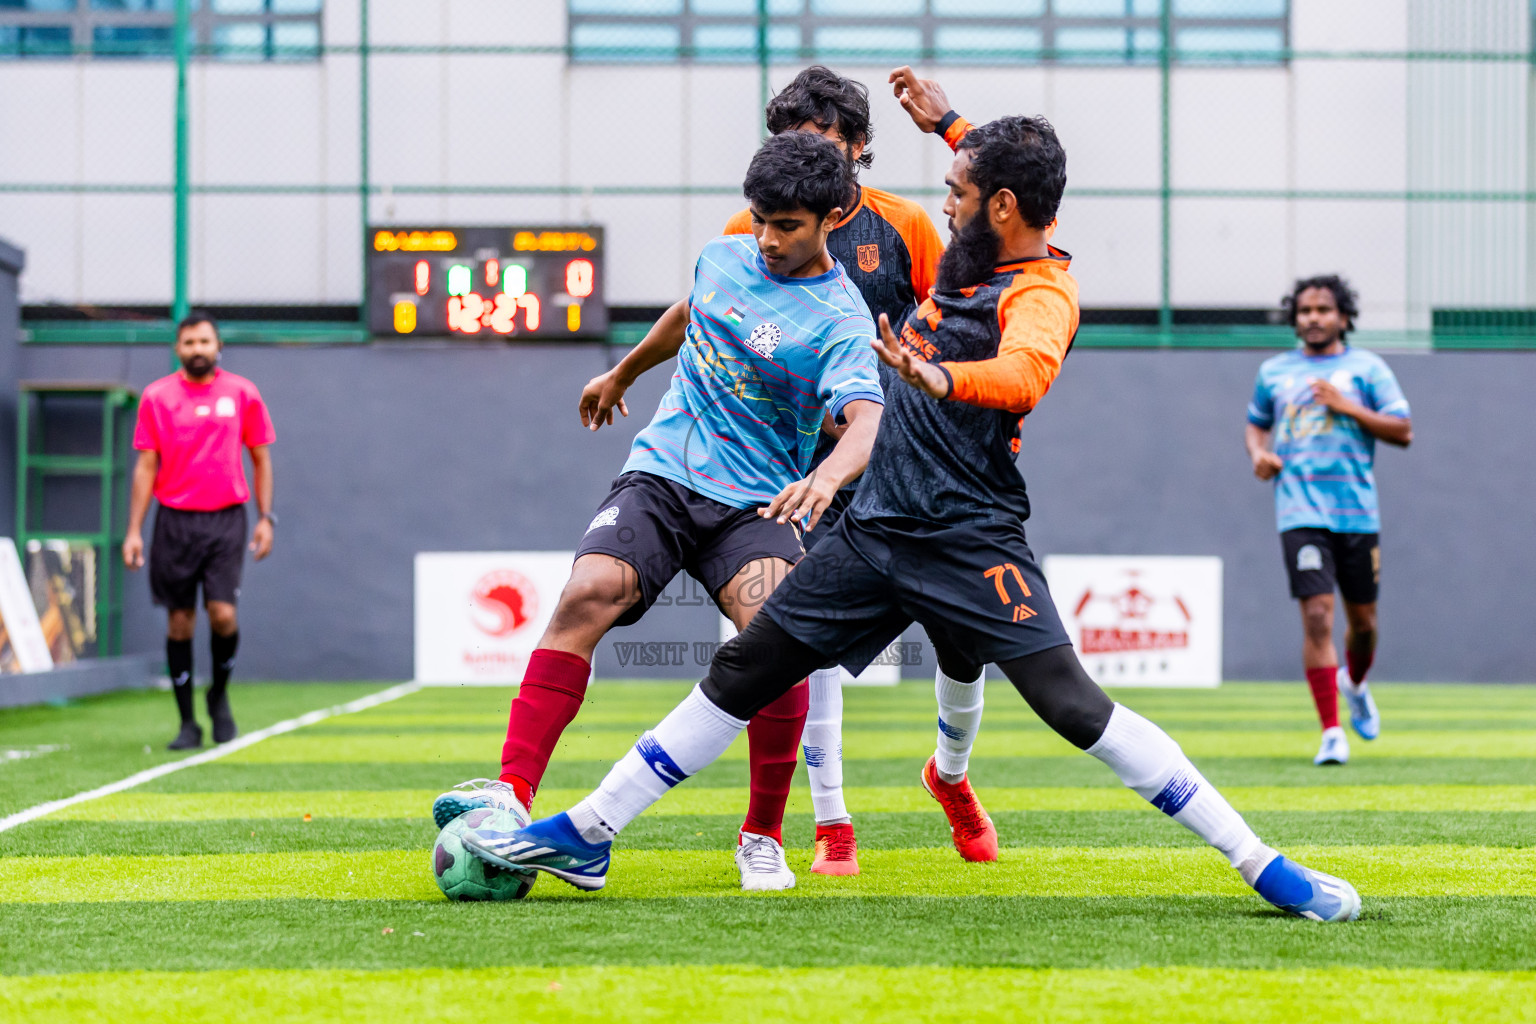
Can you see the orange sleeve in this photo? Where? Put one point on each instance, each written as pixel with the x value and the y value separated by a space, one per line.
pixel 956 131
pixel 917 232
pixel 739 224
pixel 1039 317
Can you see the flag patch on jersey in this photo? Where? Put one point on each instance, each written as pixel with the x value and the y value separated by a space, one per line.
pixel 733 315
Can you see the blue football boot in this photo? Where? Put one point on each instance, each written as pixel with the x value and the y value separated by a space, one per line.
pixel 1306 893
pixel 475 794
pixel 549 844
pixel 1362 708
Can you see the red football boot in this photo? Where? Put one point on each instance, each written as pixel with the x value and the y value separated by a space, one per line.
pixel 969 826
pixel 837 852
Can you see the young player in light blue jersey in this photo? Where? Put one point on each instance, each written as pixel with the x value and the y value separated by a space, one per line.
pixel 719 484
pixel 1327 404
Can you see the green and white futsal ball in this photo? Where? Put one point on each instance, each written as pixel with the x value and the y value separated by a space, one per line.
pixel 463 876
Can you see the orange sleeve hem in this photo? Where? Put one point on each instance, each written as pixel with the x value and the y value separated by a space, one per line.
pixel 1039 317
pixel 955 132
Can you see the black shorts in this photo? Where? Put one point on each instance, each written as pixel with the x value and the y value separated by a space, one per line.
pixel 840 502
pixel 1315 559
pixel 976 589
pixel 659 527
pixel 191 548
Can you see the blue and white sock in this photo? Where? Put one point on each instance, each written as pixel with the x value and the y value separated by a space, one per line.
pixel 960 706
pixel 1150 762
pixel 687 741
pixel 822 743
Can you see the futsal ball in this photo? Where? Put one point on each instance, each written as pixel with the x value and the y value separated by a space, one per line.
pixel 463 876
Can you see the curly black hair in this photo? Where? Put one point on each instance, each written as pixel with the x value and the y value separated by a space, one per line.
pixel 826 99
pixel 795 171
pixel 1023 155
pixel 1343 296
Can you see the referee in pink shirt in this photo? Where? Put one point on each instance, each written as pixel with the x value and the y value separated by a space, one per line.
pixel 191 428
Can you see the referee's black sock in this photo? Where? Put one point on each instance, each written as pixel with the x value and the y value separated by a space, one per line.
pixel 178 661
pixel 224 648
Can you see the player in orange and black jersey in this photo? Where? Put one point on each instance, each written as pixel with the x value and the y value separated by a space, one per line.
pixel 890 250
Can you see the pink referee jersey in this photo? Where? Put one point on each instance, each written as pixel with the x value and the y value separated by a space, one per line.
pixel 199 431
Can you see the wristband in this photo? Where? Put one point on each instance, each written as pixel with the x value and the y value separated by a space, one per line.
pixel 945 121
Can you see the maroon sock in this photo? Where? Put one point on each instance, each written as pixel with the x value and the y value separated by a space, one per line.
pixel 553 687
pixel 1360 662
pixel 1325 694
pixel 773 744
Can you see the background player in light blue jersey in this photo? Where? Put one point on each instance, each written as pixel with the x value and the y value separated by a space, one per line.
pixel 1327 405
pixel 720 482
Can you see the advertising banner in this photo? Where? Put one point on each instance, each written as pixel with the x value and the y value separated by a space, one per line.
pixel 479 614
pixel 1141 620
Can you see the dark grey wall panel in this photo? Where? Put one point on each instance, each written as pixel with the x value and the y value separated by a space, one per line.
pixel 387 450
pixel 12 261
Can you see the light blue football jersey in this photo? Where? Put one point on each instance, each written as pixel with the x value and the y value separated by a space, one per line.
pixel 1327 480
pixel 764 356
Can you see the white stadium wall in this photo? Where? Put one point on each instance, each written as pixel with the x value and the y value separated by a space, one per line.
pixel 464 120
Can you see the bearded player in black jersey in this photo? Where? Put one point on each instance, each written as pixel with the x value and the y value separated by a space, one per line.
pixel 936 535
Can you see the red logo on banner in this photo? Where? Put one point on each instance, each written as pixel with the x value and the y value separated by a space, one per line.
pixel 1131 620
pixel 504 602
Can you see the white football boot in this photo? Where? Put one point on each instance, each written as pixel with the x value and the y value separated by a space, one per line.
pixel 1335 748
pixel 762 863
pixel 475 794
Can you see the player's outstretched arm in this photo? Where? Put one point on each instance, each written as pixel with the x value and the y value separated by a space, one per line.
pixel 605 392
pixel 1266 464
pixel 805 500
pixel 924 101
pixel 926 377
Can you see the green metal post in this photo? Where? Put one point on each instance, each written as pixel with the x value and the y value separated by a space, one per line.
pixel 762 58
pixel 179 272
pixel 1165 65
pixel 23 468
pixel 362 156
pixel 104 602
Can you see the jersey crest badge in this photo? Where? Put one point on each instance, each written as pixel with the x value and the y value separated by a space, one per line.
pixel 764 339
pixel 869 258
pixel 607 517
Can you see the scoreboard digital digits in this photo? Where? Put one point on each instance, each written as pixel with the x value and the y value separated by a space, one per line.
pixel 512 282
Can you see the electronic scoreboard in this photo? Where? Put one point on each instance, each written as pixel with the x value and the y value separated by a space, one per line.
pixel 514 282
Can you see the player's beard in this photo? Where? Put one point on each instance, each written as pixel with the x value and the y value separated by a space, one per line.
pixel 197 366
pixel 971 255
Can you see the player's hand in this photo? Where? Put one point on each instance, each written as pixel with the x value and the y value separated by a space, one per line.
pixel 261 539
pixel 1325 393
pixel 804 501
pixel 1267 465
pixel 922 98
pixel 133 551
pixel 600 397
pixel 926 377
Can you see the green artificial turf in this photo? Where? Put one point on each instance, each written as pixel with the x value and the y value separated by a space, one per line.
pixel 207 894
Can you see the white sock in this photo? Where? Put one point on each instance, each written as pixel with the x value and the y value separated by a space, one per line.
pixel 687 741
pixel 960 704
pixel 1150 762
pixel 823 746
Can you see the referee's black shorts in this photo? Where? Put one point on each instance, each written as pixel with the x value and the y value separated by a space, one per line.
pixel 192 548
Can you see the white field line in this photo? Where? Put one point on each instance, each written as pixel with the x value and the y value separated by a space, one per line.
pixel 239 743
